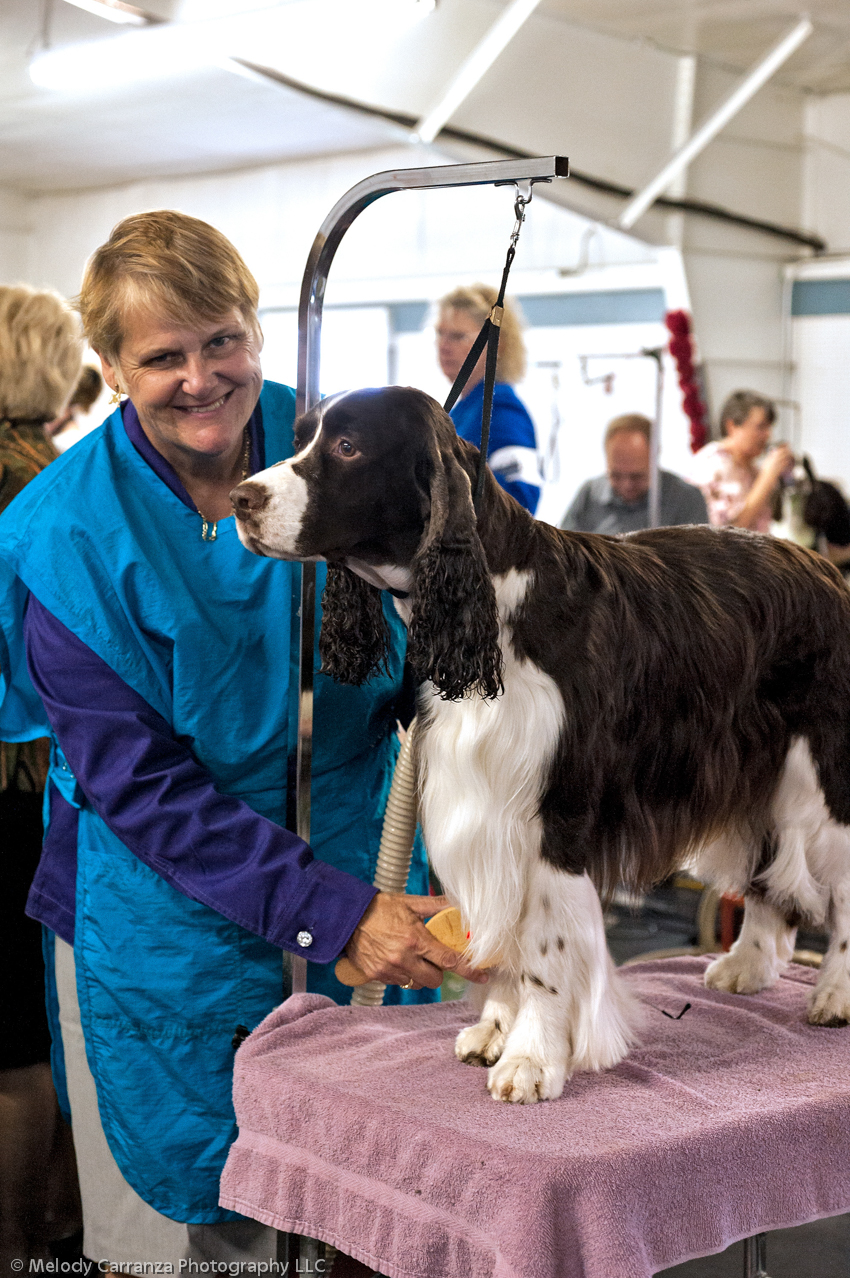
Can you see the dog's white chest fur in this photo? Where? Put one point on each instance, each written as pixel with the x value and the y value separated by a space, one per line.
pixel 483 764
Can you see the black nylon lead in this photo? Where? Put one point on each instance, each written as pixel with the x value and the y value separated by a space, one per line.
pixel 488 336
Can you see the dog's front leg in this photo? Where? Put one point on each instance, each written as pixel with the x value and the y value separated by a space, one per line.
pixel 482 1044
pixel 573 1011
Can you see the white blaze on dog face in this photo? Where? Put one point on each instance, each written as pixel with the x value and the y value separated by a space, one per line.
pixel 270 506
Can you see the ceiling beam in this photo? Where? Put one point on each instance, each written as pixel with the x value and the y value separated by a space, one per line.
pixel 475 68
pixel 752 82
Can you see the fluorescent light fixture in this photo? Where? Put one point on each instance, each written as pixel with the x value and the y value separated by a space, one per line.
pixel 115 11
pixel 104 64
pixel 164 49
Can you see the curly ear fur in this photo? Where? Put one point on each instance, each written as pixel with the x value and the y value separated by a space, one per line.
pixel 453 636
pixel 354 636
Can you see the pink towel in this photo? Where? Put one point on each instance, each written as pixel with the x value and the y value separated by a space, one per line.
pixel 358 1126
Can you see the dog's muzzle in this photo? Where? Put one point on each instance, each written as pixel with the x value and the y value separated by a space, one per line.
pixel 249 499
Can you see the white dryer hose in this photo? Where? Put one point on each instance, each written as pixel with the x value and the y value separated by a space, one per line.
pixel 396 849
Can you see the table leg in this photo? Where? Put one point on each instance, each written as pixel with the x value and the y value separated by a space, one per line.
pixel 311 1257
pixel 755 1256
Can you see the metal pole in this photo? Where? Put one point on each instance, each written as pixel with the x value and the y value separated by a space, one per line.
pixel 755 1256
pixel 655 441
pixel 313 285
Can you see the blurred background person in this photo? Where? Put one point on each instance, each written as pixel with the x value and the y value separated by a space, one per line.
pixel 77 419
pixel 739 494
pixel 618 501
pixel 512 450
pixel 40 355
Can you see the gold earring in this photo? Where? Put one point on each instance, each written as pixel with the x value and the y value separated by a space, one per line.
pixel 116 397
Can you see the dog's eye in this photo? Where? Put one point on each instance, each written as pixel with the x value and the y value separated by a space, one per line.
pixel 345 448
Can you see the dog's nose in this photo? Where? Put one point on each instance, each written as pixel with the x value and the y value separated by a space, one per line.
pixel 249 499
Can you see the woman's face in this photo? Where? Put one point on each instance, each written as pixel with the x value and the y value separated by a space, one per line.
pixel 456 332
pixel 194 385
pixel 749 439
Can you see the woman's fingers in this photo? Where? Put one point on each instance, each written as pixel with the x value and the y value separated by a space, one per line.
pixel 426 906
pixel 391 943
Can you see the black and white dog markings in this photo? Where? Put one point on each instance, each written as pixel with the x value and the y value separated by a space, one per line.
pixel 594 711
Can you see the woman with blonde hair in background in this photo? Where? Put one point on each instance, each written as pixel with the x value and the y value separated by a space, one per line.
pixel 512 449
pixel 40 355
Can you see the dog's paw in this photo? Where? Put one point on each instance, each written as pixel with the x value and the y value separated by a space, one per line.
pixel 743 971
pixel 830 1006
pixel 522 1080
pixel 480 1044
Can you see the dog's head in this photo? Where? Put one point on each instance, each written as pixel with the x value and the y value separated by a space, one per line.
pixel 379 486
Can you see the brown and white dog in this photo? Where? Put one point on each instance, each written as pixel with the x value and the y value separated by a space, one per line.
pixel 594 710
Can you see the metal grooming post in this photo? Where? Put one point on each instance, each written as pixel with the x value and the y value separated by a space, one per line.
pixel 656 353
pixel 325 245
pixel 755 1256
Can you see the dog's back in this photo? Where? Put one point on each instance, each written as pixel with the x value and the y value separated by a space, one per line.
pixel 687 660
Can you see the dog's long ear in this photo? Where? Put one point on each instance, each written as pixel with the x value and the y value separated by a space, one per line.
pixel 453 635
pixel 354 636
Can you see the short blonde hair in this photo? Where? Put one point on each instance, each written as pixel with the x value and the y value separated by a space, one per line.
pixel 41 353
pixel 628 424
pixel 478 299
pixel 167 260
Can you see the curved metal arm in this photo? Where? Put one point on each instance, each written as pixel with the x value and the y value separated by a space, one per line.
pixel 321 256
pixel 352 204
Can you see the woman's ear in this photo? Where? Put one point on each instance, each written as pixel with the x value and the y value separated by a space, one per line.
pixel 354 636
pixel 110 373
pixel 453 635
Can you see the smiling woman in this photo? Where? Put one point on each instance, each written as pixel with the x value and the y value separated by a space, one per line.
pixel 159 653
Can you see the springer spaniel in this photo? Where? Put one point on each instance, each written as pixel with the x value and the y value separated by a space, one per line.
pixel 594 710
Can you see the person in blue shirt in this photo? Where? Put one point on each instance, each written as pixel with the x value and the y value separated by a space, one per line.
pixel 512 450
pixel 161 658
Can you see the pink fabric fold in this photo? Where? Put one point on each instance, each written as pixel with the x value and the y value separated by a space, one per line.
pixel 358 1126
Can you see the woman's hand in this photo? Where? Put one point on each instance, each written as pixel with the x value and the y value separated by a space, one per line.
pixel 777 461
pixel 392 944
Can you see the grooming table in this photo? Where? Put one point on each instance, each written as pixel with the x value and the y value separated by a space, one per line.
pixel 359 1127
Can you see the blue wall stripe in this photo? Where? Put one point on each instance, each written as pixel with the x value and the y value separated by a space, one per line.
pixel 820 297
pixel 615 306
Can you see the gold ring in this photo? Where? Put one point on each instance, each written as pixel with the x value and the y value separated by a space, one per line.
pixel 408 986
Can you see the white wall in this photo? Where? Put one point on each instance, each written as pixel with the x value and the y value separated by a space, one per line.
pixel 826 191
pixel 15 237
pixel 820 346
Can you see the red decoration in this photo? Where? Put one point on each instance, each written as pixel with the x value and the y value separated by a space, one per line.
pixel 682 350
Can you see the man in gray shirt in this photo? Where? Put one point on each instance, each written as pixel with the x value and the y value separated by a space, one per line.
pixel 618 501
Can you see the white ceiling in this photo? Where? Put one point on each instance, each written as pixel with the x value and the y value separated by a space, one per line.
pixel 207 120
pixel 734 33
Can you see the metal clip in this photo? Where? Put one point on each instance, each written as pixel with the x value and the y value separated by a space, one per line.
pixel 524 193
pixel 496 314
